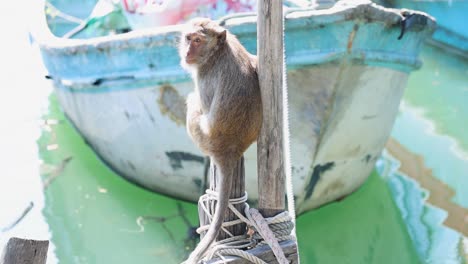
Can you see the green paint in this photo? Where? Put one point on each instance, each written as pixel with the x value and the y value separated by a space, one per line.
pixel 92 214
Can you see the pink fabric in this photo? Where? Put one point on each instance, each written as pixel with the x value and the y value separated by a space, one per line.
pixel 151 13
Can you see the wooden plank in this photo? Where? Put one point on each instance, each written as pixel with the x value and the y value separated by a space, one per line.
pixel 238 190
pixel 271 173
pixel 264 252
pixel 25 251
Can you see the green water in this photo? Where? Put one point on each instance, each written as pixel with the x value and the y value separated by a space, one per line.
pixel 91 215
pixel 432 123
pixel 97 217
pixel 434 118
pixel 440 88
pixel 94 216
pixel 434 242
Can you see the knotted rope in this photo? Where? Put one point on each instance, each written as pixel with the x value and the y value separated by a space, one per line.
pixel 260 231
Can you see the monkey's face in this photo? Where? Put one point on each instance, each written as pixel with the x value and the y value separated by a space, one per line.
pixel 195 45
pixel 200 42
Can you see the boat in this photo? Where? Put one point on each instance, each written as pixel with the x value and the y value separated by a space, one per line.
pixel 347 68
pixel 451 33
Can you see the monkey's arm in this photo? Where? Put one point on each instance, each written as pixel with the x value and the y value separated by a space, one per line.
pixel 197 122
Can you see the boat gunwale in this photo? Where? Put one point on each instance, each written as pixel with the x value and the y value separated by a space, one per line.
pixel 293 18
pixel 55 49
pixel 87 85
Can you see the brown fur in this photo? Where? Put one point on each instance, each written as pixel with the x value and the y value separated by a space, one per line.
pixel 224 113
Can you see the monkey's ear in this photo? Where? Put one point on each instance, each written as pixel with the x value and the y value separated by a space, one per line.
pixel 222 36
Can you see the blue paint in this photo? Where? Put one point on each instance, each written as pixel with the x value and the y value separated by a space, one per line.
pixel 451 19
pixel 312 38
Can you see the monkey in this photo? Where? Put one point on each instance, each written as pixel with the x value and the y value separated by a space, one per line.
pixel 224 112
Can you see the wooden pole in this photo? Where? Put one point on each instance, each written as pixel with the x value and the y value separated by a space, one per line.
pixel 271 142
pixel 237 191
pixel 25 251
pixel 271 173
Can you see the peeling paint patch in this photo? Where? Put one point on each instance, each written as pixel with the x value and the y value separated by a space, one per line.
pixel 335 187
pixel 198 183
pixel 127 115
pixel 130 164
pixel 351 37
pixel 367 158
pixel 148 112
pixel 316 174
pixel 172 104
pixel 367 117
pixel 176 158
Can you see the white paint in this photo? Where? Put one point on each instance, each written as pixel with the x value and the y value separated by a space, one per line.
pixel 338 113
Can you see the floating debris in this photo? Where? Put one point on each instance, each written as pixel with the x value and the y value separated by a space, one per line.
pixel 18 220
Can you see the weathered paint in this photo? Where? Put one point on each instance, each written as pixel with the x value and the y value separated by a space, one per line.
pixel 326 106
pixel 346 75
pixel 176 158
pixel 367 158
pixel 451 20
pixel 172 104
pixel 316 174
pixel 152 54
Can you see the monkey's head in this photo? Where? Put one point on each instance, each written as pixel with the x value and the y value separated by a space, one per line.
pixel 200 41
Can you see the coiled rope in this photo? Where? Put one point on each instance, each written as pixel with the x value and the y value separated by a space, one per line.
pixel 260 231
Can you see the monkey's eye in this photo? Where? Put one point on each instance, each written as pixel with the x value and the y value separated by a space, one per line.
pixel 187 38
pixel 197 40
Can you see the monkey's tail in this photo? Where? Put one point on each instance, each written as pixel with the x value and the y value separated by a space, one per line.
pixel 226 170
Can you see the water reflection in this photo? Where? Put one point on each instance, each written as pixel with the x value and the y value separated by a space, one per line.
pixel 426 166
pixel 432 121
pixel 434 242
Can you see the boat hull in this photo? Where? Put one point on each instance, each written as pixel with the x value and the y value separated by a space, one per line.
pixel 347 71
pixel 340 117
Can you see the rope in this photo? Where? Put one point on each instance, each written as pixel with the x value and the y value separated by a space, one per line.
pixel 261 231
pixel 54 11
